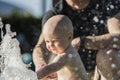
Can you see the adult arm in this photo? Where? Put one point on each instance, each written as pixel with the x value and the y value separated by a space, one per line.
pixel 40 53
pixel 109 40
pixel 103 41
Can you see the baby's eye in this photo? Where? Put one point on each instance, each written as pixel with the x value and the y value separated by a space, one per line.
pixel 47 41
pixel 55 41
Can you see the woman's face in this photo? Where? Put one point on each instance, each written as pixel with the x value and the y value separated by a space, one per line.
pixel 78 4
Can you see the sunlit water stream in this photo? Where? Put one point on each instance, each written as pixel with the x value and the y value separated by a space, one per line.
pixel 11 64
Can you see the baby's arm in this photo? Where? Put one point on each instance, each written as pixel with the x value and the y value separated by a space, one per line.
pixel 54 66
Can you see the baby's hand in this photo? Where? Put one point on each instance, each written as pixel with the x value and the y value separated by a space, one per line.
pixel 53 75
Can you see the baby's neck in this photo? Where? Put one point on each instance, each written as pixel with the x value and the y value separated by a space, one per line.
pixel 68 49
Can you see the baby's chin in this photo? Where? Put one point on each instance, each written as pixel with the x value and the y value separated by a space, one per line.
pixel 56 52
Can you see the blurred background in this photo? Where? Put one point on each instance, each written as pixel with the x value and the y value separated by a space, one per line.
pixel 25 19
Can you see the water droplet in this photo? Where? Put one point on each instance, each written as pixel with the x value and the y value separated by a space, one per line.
pixel 115 46
pixel 113 65
pixel 115 39
pixel 109 51
pixel 110 58
pixel 96 19
pixel 76 68
pixel 70 55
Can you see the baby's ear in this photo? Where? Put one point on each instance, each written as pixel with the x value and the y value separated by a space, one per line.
pixel 70 37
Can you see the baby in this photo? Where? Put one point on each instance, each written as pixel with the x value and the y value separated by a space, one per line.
pixel 58 34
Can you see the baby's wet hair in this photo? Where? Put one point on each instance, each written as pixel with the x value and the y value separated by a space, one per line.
pixel 59 24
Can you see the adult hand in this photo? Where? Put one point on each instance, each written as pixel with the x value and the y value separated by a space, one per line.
pixel 76 43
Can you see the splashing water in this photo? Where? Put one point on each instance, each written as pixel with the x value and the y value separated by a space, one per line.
pixel 11 65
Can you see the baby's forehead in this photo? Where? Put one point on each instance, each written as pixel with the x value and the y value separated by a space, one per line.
pixel 56 30
pixel 58 22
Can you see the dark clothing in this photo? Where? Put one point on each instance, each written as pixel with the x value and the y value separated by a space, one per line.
pixel 89 21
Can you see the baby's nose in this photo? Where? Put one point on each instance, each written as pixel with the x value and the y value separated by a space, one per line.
pixel 51 44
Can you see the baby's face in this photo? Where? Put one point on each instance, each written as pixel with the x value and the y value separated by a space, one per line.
pixel 56 43
pixel 57 33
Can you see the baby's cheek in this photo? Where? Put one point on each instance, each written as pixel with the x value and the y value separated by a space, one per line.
pixel 47 46
pixel 57 44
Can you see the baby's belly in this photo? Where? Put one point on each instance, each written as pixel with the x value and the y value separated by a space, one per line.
pixel 66 74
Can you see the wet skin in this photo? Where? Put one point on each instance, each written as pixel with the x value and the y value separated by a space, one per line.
pixel 67 63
